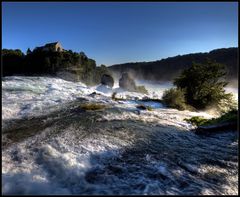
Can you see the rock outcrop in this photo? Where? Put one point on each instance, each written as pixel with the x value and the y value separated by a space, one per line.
pixel 126 82
pixel 107 80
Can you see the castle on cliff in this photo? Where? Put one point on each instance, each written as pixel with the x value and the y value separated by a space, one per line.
pixel 54 47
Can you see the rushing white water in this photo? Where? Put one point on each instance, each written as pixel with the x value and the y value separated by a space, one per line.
pixel 31 96
pixel 119 150
pixel 23 96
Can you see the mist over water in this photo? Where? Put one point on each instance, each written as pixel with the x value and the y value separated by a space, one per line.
pixel 155 88
pixel 233 90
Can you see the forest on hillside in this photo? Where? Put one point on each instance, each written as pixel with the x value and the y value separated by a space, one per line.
pixel 169 68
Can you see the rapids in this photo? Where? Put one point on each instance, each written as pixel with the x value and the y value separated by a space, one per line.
pixel 52 146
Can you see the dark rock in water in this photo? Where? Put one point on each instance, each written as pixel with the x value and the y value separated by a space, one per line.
pixel 94 175
pixel 15 156
pixel 115 169
pixel 107 80
pixel 151 99
pixel 211 129
pixel 138 112
pixel 93 94
pixel 127 82
pixel 142 107
pixel 146 98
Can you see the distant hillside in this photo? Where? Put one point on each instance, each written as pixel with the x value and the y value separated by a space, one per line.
pixel 167 69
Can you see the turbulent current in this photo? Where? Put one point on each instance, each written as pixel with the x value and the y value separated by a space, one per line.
pixel 52 146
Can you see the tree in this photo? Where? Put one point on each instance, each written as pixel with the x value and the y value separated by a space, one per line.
pixel 29 51
pixel 12 61
pixel 174 98
pixel 204 84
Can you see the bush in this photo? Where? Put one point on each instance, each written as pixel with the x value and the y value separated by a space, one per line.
pixel 230 116
pixel 174 98
pixel 196 120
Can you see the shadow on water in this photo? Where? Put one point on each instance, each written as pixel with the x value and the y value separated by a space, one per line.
pixel 169 164
pixel 156 160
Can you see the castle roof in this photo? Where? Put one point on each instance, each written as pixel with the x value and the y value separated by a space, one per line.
pixel 51 44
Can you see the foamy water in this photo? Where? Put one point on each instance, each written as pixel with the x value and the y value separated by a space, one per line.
pixel 122 153
pixel 31 96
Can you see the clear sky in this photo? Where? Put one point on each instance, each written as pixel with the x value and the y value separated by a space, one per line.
pixel 118 32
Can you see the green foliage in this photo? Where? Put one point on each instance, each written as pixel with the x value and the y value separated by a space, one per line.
pixel 12 61
pixel 10 52
pixel 174 98
pixel 203 84
pixel 169 68
pixel 141 89
pixel 149 108
pixel 230 116
pixel 196 120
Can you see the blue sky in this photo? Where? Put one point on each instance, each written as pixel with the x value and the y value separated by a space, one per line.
pixel 118 32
